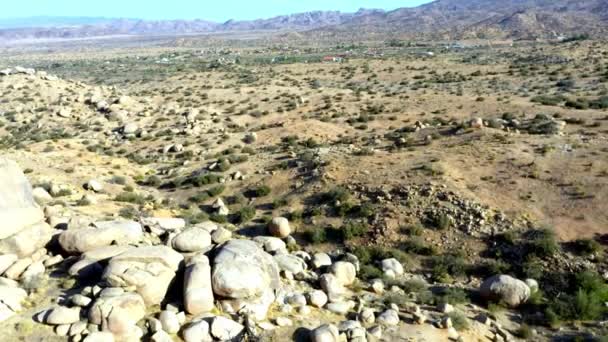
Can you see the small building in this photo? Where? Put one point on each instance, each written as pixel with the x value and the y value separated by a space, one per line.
pixel 334 59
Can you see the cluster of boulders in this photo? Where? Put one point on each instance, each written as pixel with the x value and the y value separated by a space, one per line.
pixel 159 277
pixel 540 124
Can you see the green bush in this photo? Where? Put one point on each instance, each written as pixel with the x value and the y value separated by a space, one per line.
pixel 460 322
pixel 445 267
pixel 128 213
pixel 262 191
pixel 524 332
pixel 130 197
pixel 216 190
pixel 354 229
pixel 368 272
pixel 316 235
pixel 245 214
pixel 453 296
pixel 543 243
pixel 585 303
pixel 336 194
pixel 587 246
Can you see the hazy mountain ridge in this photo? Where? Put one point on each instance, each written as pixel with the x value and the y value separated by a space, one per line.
pixel 518 19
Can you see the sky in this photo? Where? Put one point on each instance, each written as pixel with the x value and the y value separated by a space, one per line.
pixel 216 10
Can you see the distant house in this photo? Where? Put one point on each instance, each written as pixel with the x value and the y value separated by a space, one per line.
pixel 334 59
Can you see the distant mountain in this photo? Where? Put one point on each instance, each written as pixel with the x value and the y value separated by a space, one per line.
pixel 65 28
pixel 447 19
pixel 482 18
pixel 45 22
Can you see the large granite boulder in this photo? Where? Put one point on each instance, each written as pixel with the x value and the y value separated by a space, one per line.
pixel 101 234
pixel 149 269
pixel 242 269
pixel 506 289
pixel 198 292
pixel 23 228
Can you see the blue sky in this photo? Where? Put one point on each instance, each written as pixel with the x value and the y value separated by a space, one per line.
pixel 216 10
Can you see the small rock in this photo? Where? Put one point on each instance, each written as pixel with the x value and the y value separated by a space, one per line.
pixel 169 321
pixel 225 329
pixel 389 317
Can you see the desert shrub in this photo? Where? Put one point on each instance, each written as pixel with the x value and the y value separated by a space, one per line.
pixel 354 229
pixel 128 213
pixel 413 230
pixel 84 201
pixel 153 180
pixel 218 218
pixel 439 221
pixel 533 268
pixel 370 254
pixel 367 272
pixel 587 246
pixel 548 100
pixel 316 235
pixel 417 245
pixel 542 243
pixel 445 267
pixel 336 194
pixel 216 190
pixel 245 214
pixel 413 286
pixel 453 295
pixel 460 322
pixel 130 197
pixel 120 180
pixel 261 191
pixel 194 216
pixel 279 202
pixel 524 332
pixel 584 303
pixel 205 179
pixel 64 192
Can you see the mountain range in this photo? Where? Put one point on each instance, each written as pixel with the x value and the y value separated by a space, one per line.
pixel 450 19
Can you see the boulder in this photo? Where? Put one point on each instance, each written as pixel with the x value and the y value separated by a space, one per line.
pixel 192 239
pixel 94 185
pixel 392 267
pixel 325 333
pixel 169 321
pixel 119 313
pixel 290 263
pixel 279 227
pixel 62 315
pixel 344 271
pixel 41 196
pixel 317 298
pixel 198 292
pixel 10 301
pixel 225 329
pixel 161 225
pixel 105 233
pixel 241 269
pixel 320 260
pixel 6 261
pixel 506 289
pixel 99 336
pixel 149 269
pixel 23 228
pixel 332 286
pixel 197 332
pixel 89 261
pixel 389 317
